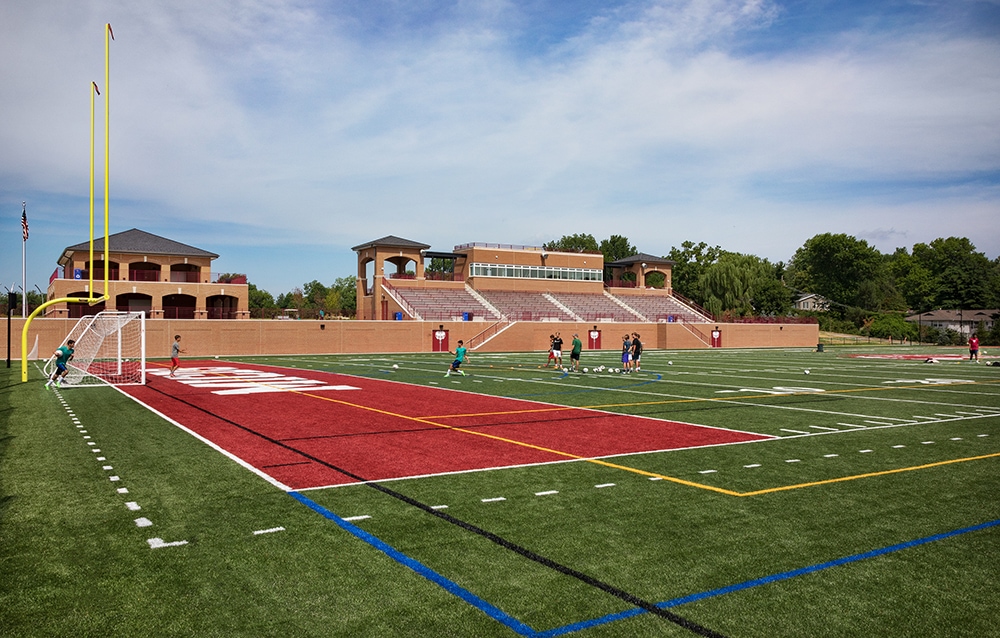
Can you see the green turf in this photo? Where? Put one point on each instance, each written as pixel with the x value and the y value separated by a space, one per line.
pixel 74 562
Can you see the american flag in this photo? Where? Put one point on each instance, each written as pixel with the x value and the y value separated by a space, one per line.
pixel 24 225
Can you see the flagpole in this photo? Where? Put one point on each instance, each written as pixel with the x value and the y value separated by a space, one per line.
pixel 24 271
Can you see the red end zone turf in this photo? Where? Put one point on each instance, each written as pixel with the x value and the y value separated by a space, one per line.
pixel 306 428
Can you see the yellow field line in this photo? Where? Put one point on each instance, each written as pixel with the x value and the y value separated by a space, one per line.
pixel 626 468
pixel 561 408
pixel 539 448
pixel 867 475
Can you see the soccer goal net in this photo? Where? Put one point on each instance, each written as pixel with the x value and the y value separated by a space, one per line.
pixel 110 349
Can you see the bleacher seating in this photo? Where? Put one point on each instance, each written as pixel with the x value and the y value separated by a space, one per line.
pixel 594 307
pixel 448 304
pixel 444 304
pixel 525 306
pixel 660 308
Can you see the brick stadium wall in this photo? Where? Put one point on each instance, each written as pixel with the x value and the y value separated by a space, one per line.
pixel 251 337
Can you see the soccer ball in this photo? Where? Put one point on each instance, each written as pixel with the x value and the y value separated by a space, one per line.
pixel 807 372
pixel 585 370
pixel 670 363
pixel 395 366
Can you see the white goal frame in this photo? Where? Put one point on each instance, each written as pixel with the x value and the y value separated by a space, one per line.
pixel 110 349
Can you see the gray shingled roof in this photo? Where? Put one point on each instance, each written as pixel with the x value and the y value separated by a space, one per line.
pixel 393 241
pixel 142 243
pixel 639 258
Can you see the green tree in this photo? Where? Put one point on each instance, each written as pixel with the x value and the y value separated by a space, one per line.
pixel 581 243
pixel 725 288
pixel 439 265
pixel 890 324
pixel 314 295
pixel 741 285
pixel 259 299
pixel 342 296
pixel 294 299
pixel 833 265
pixel 617 247
pixel 913 280
pixel 690 260
pixel 770 297
pixel 961 276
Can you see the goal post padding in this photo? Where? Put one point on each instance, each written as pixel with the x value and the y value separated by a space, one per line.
pixel 110 349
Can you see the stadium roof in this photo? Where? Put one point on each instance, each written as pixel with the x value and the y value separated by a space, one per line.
pixel 640 258
pixel 391 241
pixel 138 242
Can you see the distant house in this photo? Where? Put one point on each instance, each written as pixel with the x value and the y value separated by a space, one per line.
pixel 161 277
pixel 964 322
pixel 812 301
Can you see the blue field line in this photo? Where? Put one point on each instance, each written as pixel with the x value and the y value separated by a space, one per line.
pixel 658 377
pixel 765 580
pixel 524 630
pixel 448 585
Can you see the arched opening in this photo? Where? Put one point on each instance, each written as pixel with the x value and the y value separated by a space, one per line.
pixel 185 273
pixel 401 262
pixel 82 309
pixel 366 275
pixel 655 279
pixel 143 271
pixel 178 306
pixel 222 307
pixel 134 302
pixel 98 270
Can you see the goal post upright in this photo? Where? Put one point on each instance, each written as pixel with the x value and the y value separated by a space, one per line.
pixel 90 299
pixel 142 340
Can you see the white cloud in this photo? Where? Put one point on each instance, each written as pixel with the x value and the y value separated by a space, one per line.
pixel 289 120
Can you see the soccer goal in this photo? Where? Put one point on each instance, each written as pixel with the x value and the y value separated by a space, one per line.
pixel 110 349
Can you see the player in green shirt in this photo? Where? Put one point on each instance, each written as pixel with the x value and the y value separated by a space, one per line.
pixel 460 355
pixel 574 354
pixel 62 355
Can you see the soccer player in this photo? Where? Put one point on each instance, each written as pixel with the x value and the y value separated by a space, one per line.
pixel 551 356
pixel 460 355
pixel 557 344
pixel 63 354
pixel 974 348
pixel 574 354
pixel 636 352
pixel 175 355
pixel 626 354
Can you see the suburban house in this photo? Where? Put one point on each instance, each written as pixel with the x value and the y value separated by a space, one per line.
pixel 161 277
pixel 964 322
pixel 812 301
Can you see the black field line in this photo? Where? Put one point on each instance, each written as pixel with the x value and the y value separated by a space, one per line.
pixel 524 552
pixel 542 418
pixel 736 401
pixel 742 402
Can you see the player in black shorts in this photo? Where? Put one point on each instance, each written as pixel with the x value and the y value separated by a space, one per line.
pixel 636 352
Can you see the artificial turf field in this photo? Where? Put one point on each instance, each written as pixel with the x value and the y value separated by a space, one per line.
pixel 858 500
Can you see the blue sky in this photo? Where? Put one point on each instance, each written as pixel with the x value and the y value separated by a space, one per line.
pixel 279 133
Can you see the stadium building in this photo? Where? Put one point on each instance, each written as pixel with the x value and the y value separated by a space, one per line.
pixel 161 277
pixel 501 282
